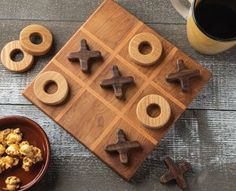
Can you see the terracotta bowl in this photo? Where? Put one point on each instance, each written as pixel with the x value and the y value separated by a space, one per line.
pixel 36 136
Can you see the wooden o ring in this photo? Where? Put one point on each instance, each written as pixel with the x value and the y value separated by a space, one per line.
pixel 15 66
pixel 153 122
pixel 36 49
pixel 149 39
pixel 44 79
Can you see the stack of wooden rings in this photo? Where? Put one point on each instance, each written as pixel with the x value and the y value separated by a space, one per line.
pixel 35 40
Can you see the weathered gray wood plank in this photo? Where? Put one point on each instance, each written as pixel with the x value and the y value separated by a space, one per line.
pixel 150 11
pixel 205 138
pixel 219 94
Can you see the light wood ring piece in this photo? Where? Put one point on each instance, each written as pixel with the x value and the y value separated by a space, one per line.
pixel 15 66
pixel 30 47
pixel 149 39
pixel 153 122
pixel 43 80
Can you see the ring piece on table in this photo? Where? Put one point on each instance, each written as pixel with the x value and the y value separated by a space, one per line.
pixel 149 121
pixel 45 79
pixel 14 48
pixel 29 36
pixel 141 40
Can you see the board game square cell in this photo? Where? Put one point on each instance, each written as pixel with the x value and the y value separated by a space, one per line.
pixel 74 46
pixel 111 16
pixel 167 47
pixel 136 156
pixel 54 111
pixel 87 118
pixel 108 94
pixel 196 84
pixel 158 134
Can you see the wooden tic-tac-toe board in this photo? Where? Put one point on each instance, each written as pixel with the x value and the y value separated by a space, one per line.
pixel 93 114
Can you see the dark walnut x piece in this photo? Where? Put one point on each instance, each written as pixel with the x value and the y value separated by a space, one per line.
pixel 123 146
pixel 84 56
pixel 183 75
pixel 175 172
pixel 117 82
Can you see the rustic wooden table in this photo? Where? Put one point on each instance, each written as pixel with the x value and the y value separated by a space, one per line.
pixel 205 135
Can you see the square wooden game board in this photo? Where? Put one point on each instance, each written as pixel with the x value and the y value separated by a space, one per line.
pixel 93 115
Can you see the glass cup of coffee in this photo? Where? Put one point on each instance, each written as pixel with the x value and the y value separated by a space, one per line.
pixel 211 24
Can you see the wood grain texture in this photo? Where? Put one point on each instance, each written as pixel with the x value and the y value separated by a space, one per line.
pixel 8 54
pixel 30 45
pixel 215 96
pixel 105 28
pixel 79 10
pixel 146 107
pixel 204 136
pixel 43 93
pixel 151 43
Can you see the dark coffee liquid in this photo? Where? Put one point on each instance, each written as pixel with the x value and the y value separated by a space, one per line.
pixel 218 19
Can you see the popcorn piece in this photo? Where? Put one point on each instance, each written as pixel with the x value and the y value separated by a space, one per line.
pixel 12 183
pixel 2 149
pixel 37 155
pixel 7 162
pixel 3 135
pixel 27 163
pixel 13 150
pixel 14 137
pixel 26 149
pixel 34 157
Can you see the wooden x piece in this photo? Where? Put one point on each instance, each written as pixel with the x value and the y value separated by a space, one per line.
pixel 123 146
pixel 117 82
pixel 183 75
pixel 84 56
pixel 175 172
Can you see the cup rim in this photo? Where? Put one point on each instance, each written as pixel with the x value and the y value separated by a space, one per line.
pixel 207 34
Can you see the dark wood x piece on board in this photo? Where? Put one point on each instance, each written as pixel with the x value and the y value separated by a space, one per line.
pixel 123 146
pixel 117 82
pixel 175 172
pixel 84 56
pixel 183 75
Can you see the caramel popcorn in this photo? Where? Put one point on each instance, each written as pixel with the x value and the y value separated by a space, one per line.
pixel 7 162
pixel 2 149
pixel 13 150
pixel 14 137
pixel 27 163
pixel 3 135
pixel 12 183
pixel 26 149
pixel 31 154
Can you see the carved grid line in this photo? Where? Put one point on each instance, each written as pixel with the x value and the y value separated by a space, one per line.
pixel 120 115
pixel 94 93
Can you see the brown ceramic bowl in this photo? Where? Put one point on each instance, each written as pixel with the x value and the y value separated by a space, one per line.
pixel 33 133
